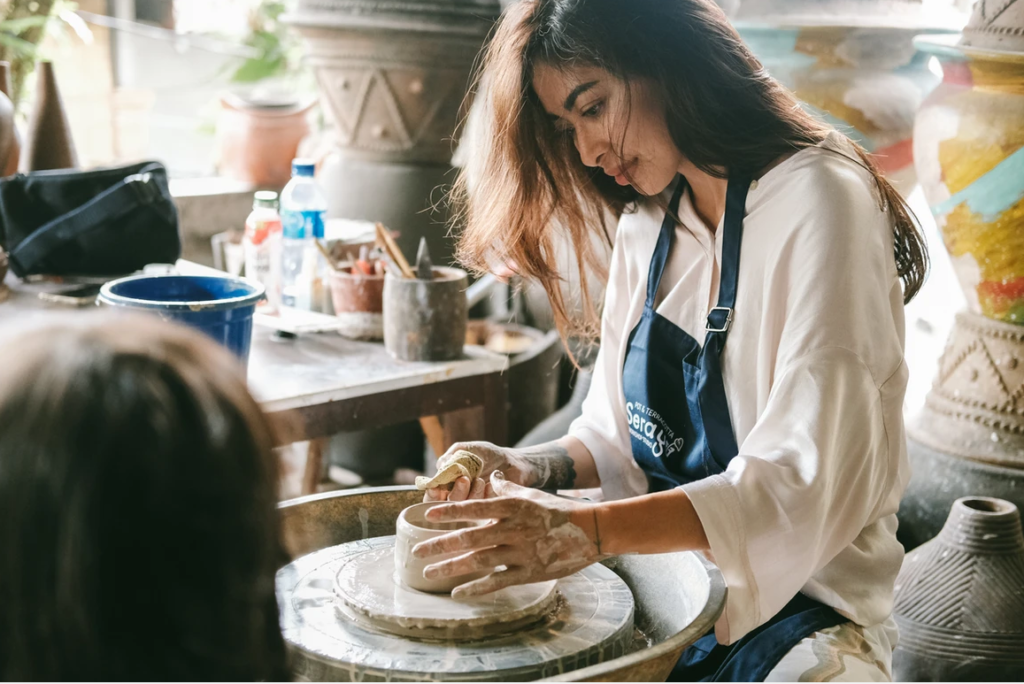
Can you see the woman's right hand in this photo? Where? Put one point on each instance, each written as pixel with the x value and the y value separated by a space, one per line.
pixel 495 458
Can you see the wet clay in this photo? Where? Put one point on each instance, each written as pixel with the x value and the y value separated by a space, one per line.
pixel 411 529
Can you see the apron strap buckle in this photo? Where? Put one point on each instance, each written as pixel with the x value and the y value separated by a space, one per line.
pixel 716 324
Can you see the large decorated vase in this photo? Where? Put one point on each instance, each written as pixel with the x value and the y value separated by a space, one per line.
pixel 854 64
pixel 970 149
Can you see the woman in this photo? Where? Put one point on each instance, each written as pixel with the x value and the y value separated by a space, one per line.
pixel 138 515
pixel 747 398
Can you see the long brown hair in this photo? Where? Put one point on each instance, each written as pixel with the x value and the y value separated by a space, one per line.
pixel 723 110
pixel 138 517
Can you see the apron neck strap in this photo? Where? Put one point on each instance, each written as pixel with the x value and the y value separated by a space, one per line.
pixel 720 317
pixel 664 246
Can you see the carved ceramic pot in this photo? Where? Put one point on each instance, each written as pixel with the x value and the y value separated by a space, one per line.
pixel 969 149
pixel 969 436
pixel 853 63
pixel 394 73
pixel 960 598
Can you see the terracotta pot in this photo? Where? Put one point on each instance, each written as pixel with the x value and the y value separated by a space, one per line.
pixel 411 529
pixel 10 141
pixel 960 598
pixel 969 150
pixel 359 302
pixel 48 144
pixel 257 144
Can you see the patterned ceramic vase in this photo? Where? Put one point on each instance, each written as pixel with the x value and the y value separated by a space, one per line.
pixel 969 147
pixel 960 598
pixel 854 64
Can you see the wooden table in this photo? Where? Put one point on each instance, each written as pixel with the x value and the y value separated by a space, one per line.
pixel 317 385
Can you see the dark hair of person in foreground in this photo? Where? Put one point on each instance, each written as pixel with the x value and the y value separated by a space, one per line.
pixel 139 535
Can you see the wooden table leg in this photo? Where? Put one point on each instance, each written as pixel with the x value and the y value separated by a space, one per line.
pixel 314 465
pixel 434 432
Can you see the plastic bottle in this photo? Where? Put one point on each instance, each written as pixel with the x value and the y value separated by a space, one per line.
pixel 262 245
pixel 303 207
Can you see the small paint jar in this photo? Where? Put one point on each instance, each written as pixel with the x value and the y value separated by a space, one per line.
pixel 359 303
pixel 411 529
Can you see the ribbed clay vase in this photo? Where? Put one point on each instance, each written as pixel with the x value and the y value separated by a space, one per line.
pixel 960 598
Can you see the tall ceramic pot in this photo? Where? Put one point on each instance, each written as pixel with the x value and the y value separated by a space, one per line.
pixel 854 64
pixel 393 76
pixel 970 151
pixel 960 598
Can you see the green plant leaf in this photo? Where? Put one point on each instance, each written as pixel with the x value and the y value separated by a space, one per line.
pixel 17 26
pixel 258 69
pixel 22 48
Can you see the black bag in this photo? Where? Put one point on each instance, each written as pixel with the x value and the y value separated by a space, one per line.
pixel 103 222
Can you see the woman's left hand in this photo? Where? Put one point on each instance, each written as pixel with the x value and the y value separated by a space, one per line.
pixel 536 536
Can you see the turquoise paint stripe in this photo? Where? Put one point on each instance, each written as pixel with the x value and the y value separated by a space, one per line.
pixel 994 192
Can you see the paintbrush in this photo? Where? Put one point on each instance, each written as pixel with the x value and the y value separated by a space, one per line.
pixel 391 248
pixel 326 255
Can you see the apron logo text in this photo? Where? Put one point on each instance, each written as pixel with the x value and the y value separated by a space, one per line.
pixel 646 425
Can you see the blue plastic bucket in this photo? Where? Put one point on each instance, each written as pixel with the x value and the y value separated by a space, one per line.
pixel 222 307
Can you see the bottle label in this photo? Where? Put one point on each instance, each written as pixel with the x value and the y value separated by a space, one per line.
pixel 257 231
pixel 302 224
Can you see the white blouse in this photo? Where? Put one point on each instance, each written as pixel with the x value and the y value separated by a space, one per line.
pixel 814 376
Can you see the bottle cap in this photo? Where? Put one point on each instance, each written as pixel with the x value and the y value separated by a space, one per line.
pixel 265 199
pixel 303 167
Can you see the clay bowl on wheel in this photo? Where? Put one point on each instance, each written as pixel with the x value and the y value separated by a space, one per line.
pixel 412 528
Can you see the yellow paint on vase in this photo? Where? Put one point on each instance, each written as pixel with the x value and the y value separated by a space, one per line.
pixel 990 130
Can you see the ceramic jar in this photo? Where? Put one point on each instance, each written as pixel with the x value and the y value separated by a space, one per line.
pixel 867 82
pixel 411 529
pixel 426 320
pixel 969 146
pixel 852 63
pixel 960 598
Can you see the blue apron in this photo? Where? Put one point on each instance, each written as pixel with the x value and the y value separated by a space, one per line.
pixel 679 437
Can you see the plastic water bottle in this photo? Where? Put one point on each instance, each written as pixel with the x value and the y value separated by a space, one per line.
pixel 261 244
pixel 303 207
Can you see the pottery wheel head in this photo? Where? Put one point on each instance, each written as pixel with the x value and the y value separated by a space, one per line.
pixel 370 593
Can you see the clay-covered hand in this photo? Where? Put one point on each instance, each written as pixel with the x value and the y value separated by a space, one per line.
pixel 543 466
pixel 532 536
pixel 494 458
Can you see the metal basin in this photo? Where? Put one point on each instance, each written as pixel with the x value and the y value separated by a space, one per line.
pixel 678 595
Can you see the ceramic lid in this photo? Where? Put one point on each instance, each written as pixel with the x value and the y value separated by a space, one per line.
pixel 996 25
pixel 431 16
pixel 949 15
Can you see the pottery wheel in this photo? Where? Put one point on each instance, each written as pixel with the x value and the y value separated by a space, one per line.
pixel 370 593
pixel 590 622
